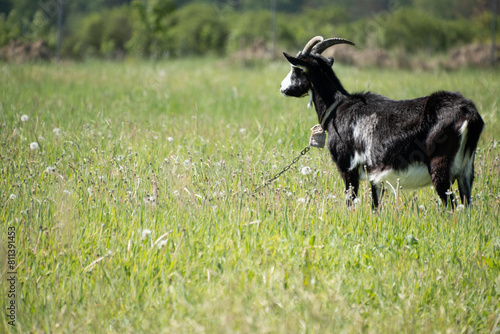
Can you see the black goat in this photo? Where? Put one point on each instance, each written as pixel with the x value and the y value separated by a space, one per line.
pixel 410 143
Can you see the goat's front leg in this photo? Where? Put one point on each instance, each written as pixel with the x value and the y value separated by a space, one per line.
pixel 377 193
pixel 351 179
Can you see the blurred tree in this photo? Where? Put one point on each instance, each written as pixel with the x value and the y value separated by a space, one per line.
pixel 195 29
pixel 452 8
pixel 151 13
pixel 5 6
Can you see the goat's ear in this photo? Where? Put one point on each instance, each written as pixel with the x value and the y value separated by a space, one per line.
pixel 330 61
pixel 295 61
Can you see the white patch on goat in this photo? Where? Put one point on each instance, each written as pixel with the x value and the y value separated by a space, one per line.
pixel 358 161
pixel 415 176
pixel 462 163
pixel 364 131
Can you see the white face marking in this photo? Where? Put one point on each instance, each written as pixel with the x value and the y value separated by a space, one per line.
pixel 287 82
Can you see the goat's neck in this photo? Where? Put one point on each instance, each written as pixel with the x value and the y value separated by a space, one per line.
pixel 325 95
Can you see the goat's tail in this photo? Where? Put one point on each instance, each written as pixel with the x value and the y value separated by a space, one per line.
pixel 471 131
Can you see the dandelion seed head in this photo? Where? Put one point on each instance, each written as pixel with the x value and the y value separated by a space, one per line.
pixel 34 145
pixel 25 118
pixel 150 200
pixel 301 200
pixel 90 191
pixel 421 207
pixel 145 234
pixel 460 207
pixel 120 157
pixel 289 194
pixel 50 170
pixel 66 192
pixel 170 139
pixel 187 163
pixel 306 170
pixel 12 197
pixel 56 131
pixel 176 193
pixel 356 201
pixel 162 243
pixel 243 131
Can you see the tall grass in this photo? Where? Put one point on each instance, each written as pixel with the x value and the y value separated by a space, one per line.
pixel 134 213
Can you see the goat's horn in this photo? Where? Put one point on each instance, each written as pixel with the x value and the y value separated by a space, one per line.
pixel 319 48
pixel 311 43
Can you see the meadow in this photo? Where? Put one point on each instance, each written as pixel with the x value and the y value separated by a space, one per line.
pixel 133 212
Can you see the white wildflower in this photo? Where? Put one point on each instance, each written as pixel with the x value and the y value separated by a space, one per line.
pixel 34 145
pixel 243 131
pixel 176 193
pixel 145 234
pixel 25 118
pixel 170 139
pixel 66 192
pixel 421 208
pixel 162 243
pixel 187 163
pixel 50 170
pixel 306 170
pixel 120 157
pixel 460 207
pixel 279 141
pixel 356 201
pixel 56 131
pixel 12 197
pixel 449 192
pixel 289 194
pixel 150 200
pixel 301 200
pixel 90 191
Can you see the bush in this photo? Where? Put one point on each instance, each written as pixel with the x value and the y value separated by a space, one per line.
pixel 100 34
pixel 194 29
pixel 415 30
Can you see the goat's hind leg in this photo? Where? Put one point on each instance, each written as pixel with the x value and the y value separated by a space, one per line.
pixel 465 183
pixel 440 176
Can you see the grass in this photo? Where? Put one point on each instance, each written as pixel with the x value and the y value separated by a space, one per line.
pixel 133 215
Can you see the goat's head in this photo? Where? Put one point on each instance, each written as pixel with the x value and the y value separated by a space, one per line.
pixel 306 63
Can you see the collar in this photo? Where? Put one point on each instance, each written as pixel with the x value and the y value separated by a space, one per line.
pixel 328 112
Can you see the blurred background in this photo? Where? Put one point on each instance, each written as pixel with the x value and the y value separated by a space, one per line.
pixel 393 33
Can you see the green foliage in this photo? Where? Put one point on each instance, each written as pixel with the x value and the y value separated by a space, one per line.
pixel 101 34
pixel 194 29
pixel 114 28
pixel 416 30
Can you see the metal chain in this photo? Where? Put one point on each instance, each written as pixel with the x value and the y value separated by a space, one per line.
pixel 287 167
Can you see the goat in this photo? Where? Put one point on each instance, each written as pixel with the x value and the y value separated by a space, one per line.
pixel 412 143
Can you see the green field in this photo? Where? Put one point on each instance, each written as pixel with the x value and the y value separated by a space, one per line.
pixel 133 215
